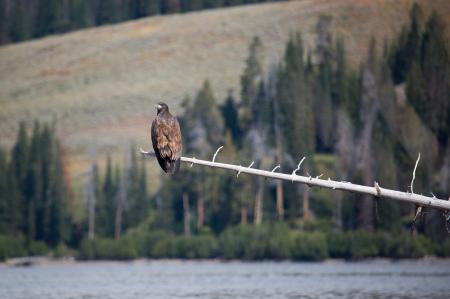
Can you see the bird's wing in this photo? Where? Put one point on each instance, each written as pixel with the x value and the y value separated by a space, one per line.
pixel 166 138
pixel 174 139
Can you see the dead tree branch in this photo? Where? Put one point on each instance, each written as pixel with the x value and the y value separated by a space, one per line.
pixel 377 191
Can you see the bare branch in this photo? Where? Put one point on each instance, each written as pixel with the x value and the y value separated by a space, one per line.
pixel 275 168
pixel 377 187
pixel 420 200
pixel 414 174
pixel 240 168
pixel 218 150
pixel 145 153
pixel 298 167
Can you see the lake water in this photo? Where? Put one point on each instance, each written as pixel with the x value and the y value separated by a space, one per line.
pixel 213 279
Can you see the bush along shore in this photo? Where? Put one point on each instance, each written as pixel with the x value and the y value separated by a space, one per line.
pixel 244 242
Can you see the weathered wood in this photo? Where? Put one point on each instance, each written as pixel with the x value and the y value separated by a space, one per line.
pixel 376 190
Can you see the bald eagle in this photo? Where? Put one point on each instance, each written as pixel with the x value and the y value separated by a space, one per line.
pixel 166 139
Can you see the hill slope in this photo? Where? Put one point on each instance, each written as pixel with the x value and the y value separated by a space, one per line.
pixel 101 84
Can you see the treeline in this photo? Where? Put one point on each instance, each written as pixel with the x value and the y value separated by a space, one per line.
pixel 275 241
pixel 26 19
pixel 34 189
pixel 352 124
pixel 118 201
pixel 361 124
pixel 36 198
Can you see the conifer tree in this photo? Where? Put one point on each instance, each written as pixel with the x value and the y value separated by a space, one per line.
pixel 108 12
pixel 3 22
pixel 106 206
pixel 18 27
pixel 435 65
pixel 58 231
pixel 407 48
pixel 208 115
pixel 249 82
pixel 4 209
pixel 230 115
pixel 78 14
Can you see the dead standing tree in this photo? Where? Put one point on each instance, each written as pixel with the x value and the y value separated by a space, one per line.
pixel 376 190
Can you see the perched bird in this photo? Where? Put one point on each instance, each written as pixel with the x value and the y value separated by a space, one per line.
pixel 166 139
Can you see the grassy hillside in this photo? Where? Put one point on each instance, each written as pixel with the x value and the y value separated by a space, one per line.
pixel 101 84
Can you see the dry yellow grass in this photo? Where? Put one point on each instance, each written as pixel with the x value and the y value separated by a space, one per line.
pixel 100 84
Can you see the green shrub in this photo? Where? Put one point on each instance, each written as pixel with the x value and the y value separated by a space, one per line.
pixel 444 249
pixel 234 240
pixel 87 251
pixel 165 248
pixel 123 249
pixel 37 248
pixel 62 251
pixel 279 243
pixel 309 246
pixel 152 238
pixel 256 242
pixel 11 246
pixel 411 247
pixel 362 245
pixel 196 247
pixel 106 249
pixel 339 245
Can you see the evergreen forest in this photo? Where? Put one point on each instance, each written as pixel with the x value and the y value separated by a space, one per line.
pixel 360 124
pixel 22 20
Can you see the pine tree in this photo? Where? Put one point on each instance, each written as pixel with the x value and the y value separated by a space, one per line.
pixel 435 65
pixel 58 231
pixel 137 192
pixel 108 12
pixel 208 115
pixel 368 112
pixel 92 196
pixel 297 115
pixel 407 49
pixel 249 82
pixel 230 115
pixel 78 14
pixel 33 186
pixel 170 6
pixel 4 209
pixel 50 18
pixel 324 51
pixel 106 206
pixel 3 22
pixel 18 25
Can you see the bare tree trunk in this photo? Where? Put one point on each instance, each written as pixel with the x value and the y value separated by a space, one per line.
pixel 121 200
pixel 186 215
pixel 91 229
pixel 305 203
pixel 243 215
pixel 259 202
pixel 118 222
pixel 91 201
pixel 279 145
pixel 200 212
pixel 280 204
pixel 338 210
pixel 365 213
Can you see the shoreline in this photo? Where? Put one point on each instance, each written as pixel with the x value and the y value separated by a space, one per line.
pixel 39 261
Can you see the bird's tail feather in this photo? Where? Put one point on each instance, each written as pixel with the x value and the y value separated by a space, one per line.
pixel 173 166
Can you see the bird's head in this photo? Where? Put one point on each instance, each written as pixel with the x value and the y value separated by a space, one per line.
pixel 161 107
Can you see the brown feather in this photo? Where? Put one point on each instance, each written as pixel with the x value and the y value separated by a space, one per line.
pixel 166 140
